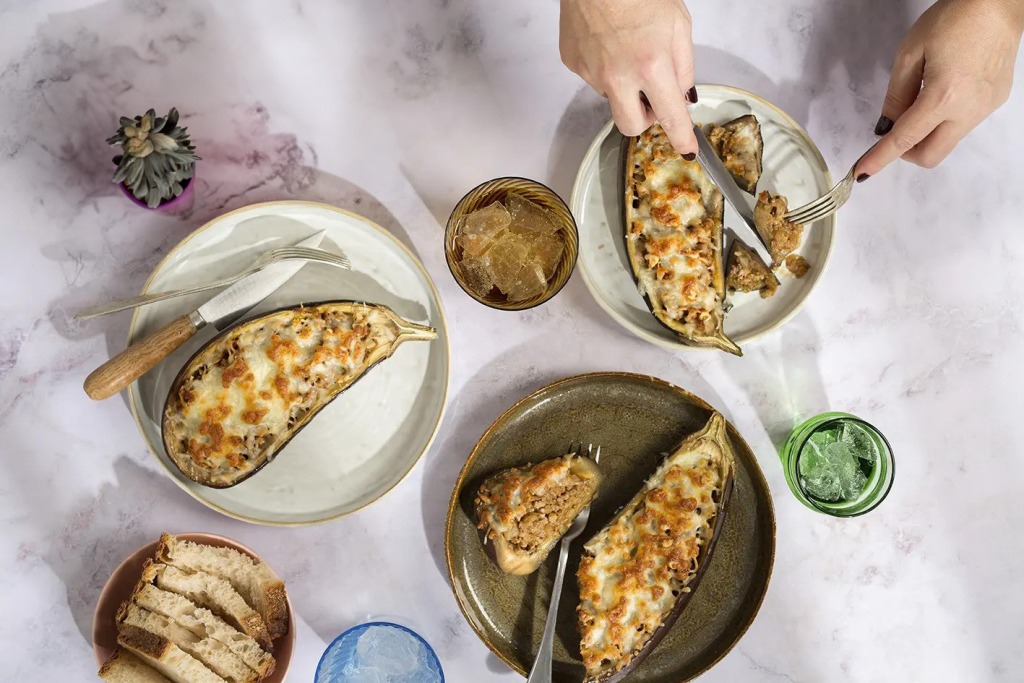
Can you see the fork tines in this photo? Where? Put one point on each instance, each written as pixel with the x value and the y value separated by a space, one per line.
pixel 577 450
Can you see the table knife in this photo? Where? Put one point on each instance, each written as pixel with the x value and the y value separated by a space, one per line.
pixel 220 311
pixel 734 196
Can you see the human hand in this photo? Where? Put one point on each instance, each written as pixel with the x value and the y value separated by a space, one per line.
pixel 635 53
pixel 954 68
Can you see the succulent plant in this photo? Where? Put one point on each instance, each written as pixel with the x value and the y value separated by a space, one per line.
pixel 157 156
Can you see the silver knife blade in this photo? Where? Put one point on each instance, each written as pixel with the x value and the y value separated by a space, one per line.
pixel 734 196
pixel 241 297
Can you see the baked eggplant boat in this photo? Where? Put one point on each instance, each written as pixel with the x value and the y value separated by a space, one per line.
pixel 522 512
pixel 674 240
pixel 637 574
pixel 738 144
pixel 241 398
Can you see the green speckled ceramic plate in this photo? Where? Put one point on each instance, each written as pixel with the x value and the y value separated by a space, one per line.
pixel 635 419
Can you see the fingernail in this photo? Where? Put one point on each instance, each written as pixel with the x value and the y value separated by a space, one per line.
pixel 862 177
pixel 690 157
pixel 884 125
pixel 691 95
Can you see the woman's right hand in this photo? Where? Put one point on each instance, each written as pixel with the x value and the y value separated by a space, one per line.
pixel 635 52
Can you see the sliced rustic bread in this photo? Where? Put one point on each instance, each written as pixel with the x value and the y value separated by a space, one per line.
pixel 164 656
pixel 213 593
pixel 124 667
pixel 213 653
pixel 254 579
pixel 204 624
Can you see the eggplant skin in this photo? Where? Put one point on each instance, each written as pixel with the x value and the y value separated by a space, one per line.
pixel 247 392
pixel 711 442
pixel 496 510
pixel 635 214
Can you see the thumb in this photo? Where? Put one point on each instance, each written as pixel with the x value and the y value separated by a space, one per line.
pixel 904 86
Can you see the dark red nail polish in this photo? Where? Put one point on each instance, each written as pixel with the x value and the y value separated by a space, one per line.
pixel 690 157
pixel 884 125
pixel 862 177
pixel 691 95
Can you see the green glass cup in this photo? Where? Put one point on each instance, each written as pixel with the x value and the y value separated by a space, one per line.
pixel 838 464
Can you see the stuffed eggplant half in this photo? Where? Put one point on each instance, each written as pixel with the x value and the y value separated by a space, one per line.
pixel 674 240
pixel 522 512
pixel 637 574
pixel 239 400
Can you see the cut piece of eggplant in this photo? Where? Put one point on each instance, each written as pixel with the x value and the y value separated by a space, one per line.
pixel 746 272
pixel 674 240
pixel 738 144
pixel 243 396
pixel 522 512
pixel 638 573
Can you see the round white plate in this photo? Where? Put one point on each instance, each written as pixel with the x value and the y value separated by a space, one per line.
pixel 793 167
pixel 365 441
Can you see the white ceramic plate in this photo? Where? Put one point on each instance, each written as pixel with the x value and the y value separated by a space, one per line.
pixel 793 166
pixel 365 441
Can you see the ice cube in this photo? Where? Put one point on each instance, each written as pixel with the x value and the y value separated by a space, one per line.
pixel 847 472
pixel 530 282
pixel 477 273
pixel 390 652
pixel 507 257
pixel 817 474
pixel 481 228
pixel 529 216
pixel 828 468
pixel 547 252
pixel 859 440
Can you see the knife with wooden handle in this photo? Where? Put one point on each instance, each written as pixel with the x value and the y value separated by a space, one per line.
pixel 220 311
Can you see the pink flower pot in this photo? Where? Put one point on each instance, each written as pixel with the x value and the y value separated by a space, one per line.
pixel 182 202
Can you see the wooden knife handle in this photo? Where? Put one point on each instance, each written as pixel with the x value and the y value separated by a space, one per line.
pixel 139 358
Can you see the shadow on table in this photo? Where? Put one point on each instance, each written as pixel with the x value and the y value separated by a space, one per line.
pixel 87 543
pixel 780 376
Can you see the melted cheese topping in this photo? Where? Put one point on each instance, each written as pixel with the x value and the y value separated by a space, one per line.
pixel 634 570
pixel 675 234
pixel 256 384
pixel 523 503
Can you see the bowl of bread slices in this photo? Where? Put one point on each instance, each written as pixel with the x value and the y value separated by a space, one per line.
pixel 193 608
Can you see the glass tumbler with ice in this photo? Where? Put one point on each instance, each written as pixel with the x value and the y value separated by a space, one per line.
pixel 838 464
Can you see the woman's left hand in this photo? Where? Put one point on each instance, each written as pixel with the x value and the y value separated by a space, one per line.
pixel 954 68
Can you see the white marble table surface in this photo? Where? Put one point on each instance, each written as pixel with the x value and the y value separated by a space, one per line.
pixel 395 109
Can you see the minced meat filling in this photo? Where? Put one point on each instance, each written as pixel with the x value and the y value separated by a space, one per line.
pixel 782 236
pixel 548 514
pixel 748 274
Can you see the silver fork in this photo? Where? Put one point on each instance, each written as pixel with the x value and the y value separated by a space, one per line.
pixel 541 671
pixel 272 256
pixel 828 203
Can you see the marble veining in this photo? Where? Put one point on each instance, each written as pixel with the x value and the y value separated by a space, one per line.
pixel 394 110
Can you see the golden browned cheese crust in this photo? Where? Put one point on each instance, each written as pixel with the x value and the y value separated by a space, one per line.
pixel 675 235
pixel 782 236
pixel 253 386
pixel 529 506
pixel 634 570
